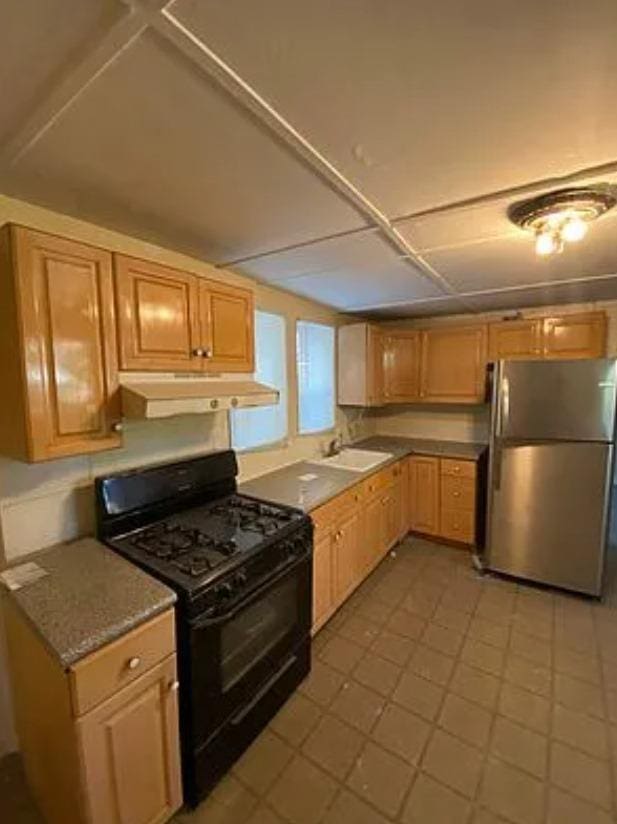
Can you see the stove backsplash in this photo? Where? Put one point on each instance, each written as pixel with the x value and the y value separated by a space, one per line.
pixel 43 504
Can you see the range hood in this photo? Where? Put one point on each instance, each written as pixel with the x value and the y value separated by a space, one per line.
pixel 165 397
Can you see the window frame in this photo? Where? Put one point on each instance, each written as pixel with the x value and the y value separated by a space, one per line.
pixel 332 427
pixel 284 394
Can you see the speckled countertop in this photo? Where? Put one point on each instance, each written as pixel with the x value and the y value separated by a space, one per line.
pixel 285 485
pixel 90 597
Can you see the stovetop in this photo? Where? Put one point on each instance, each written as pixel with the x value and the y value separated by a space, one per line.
pixel 192 548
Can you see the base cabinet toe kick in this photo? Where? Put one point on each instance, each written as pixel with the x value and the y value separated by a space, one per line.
pixel 427 495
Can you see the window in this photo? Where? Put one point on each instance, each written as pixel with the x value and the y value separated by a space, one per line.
pixel 315 361
pixel 263 425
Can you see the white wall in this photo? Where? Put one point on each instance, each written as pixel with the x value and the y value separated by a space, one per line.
pixel 463 423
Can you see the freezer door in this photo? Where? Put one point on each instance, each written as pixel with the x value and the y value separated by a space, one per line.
pixel 548 511
pixel 556 400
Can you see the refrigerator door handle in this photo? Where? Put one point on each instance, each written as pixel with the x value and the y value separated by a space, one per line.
pixel 497 458
pixel 504 406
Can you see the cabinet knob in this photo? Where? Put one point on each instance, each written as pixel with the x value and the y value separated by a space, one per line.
pixel 207 352
pixel 214 403
pixel 133 663
pixel 457 494
pixel 117 426
pixel 234 402
pixel 457 469
pixel 199 352
pixel 174 686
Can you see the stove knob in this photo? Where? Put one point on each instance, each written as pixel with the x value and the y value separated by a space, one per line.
pixel 240 579
pixel 225 591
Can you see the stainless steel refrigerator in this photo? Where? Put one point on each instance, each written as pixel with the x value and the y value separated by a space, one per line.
pixel 550 471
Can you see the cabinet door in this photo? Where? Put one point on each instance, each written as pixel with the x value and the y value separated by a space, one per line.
pixel 158 321
pixel 515 340
pixel 402 367
pixel 372 540
pixel 69 345
pixel 454 364
pixel 575 336
pixel 227 318
pixel 347 562
pixel 322 580
pixel 391 515
pixel 424 494
pixel 130 752
pixel 375 366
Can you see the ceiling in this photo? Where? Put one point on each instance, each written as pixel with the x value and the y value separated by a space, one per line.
pixel 361 153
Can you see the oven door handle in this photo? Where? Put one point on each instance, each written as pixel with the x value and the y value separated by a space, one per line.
pixel 239 717
pixel 252 595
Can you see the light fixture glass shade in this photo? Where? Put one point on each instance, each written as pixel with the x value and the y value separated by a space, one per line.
pixel 574 229
pixel 546 244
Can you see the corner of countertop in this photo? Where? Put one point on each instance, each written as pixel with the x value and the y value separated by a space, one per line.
pixel 90 597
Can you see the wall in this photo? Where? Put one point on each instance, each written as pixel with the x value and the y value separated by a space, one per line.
pixel 43 504
pixel 464 423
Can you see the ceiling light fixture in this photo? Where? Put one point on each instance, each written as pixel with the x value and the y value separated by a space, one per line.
pixel 562 216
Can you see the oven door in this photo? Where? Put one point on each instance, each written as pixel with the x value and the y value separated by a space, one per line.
pixel 234 655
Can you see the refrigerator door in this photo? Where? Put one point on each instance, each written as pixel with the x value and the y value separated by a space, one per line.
pixel 556 400
pixel 548 511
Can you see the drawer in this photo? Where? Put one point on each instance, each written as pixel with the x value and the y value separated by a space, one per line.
pixel 458 493
pixel 461 469
pixel 458 525
pixel 325 515
pixel 380 480
pixel 111 668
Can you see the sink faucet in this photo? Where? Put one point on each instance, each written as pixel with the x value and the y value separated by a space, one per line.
pixel 334 447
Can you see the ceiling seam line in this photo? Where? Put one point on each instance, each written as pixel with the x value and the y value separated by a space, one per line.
pixel 523 189
pixel 173 30
pixel 487 292
pixel 66 91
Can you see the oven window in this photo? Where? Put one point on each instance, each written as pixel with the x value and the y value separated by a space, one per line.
pixel 255 631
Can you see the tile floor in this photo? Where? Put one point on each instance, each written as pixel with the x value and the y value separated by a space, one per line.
pixel 439 697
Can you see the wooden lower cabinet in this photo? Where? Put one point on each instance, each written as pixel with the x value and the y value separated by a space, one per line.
pixel 353 532
pixel 424 494
pixel 323 597
pixel 346 556
pixel 129 751
pixel 94 753
pixel 442 498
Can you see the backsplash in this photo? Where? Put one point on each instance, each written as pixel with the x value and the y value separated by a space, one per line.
pixel 454 423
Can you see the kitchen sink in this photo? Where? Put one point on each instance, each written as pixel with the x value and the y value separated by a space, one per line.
pixel 356 460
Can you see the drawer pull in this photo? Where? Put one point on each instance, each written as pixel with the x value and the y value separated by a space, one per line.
pixel 456 494
pixel 456 469
pixel 174 686
pixel 133 663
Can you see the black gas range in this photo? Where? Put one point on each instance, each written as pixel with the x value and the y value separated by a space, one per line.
pixel 242 570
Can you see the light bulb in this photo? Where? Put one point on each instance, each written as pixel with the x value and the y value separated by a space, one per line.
pixel 546 244
pixel 574 229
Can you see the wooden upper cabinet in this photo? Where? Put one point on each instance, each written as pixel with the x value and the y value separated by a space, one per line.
pixel 173 320
pixel 424 494
pixel 453 366
pixel 227 317
pixel 57 347
pixel 402 366
pixel 515 340
pixel 158 316
pixel 360 365
pixel 575 336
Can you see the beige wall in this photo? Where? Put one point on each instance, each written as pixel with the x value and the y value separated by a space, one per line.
pixel 42 504
pixel 463 423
